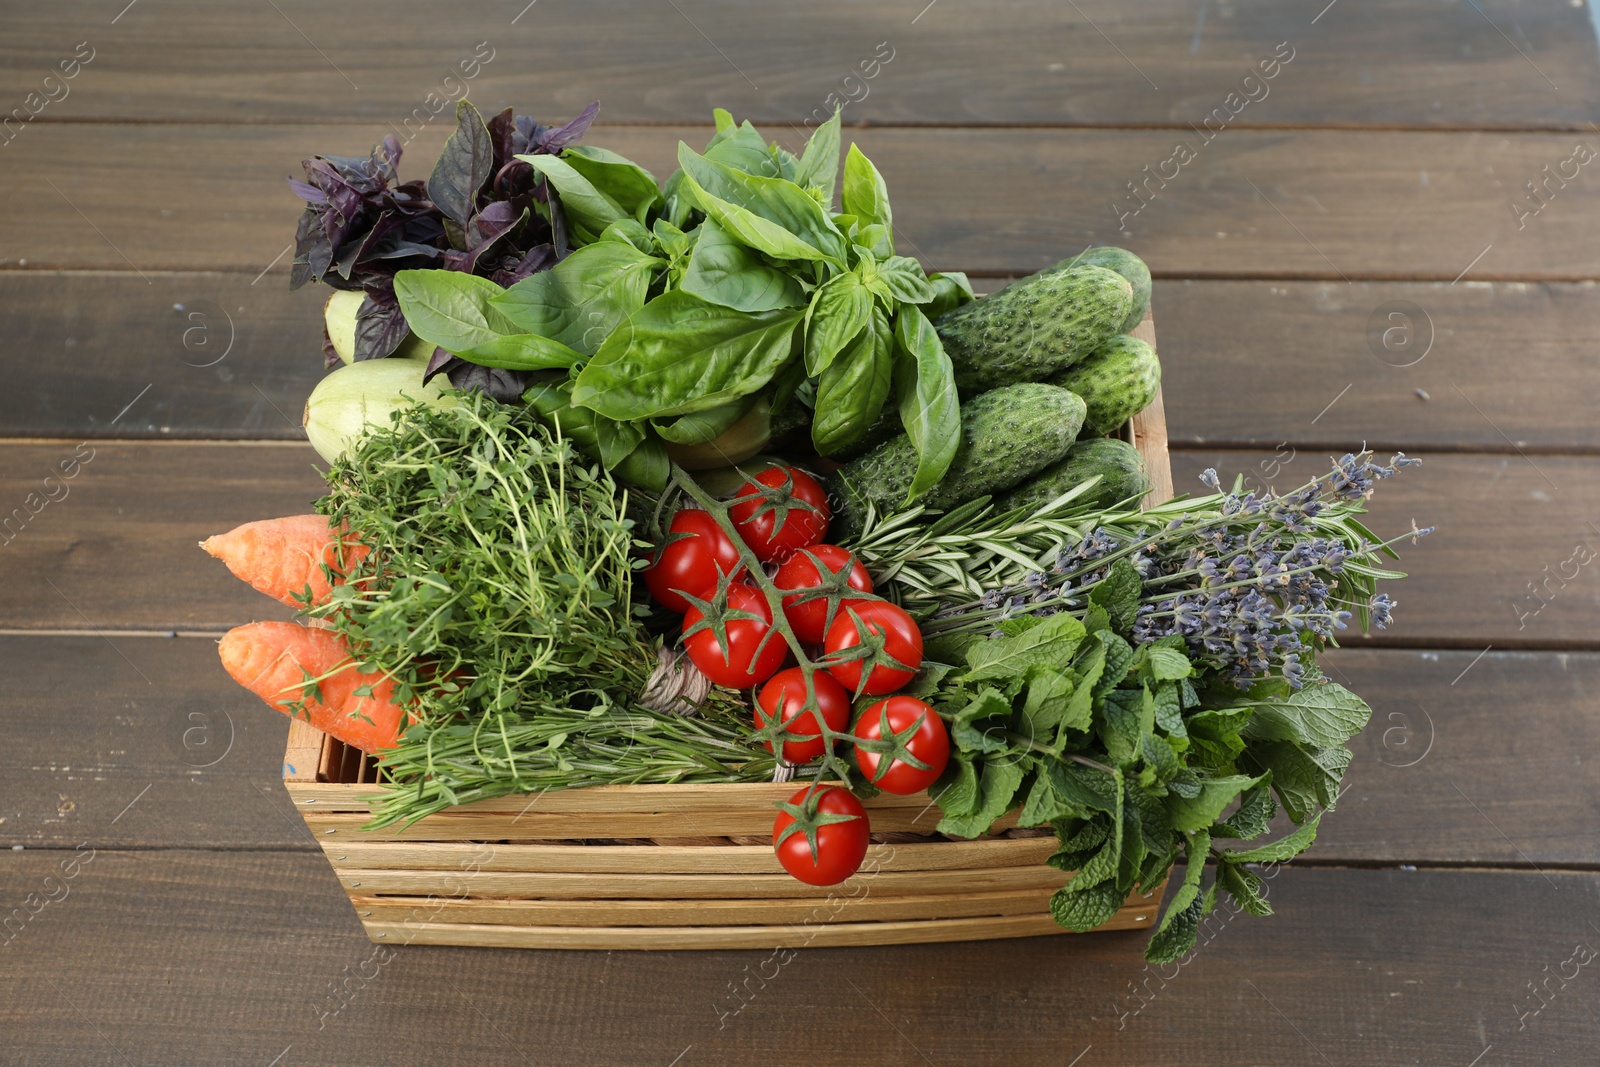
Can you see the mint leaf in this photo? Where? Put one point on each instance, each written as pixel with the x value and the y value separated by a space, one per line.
pixel 956 792
pixel 1285 848
pixel 1118 593
pixel 1161 763
pixel 1216 794
pixel 1048 701
pixel 1085 787
pixel 980 726
pixel 1167 664
pixel 1051 643
pixel 1169 715
pixel 1085 910
pixel 1255 813
pixel 1127 719
pixel 1244 887
pixel 997 786
pixel 1119 657
pixel 1177 937
pixel 1198 847
pixel 1304 779
pixel 1321 716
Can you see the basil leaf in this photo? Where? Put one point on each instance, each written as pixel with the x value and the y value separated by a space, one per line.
pixel 839 311
pixel 853 389
pixel 703 426
pixel 905 280
pixel 741 147
pixel 464 166
pixel 725 272
pixel 929 408
pixel 865 195
pixel 631 232
pixel 597 188
pixel 582 299
pixel 452 309
pixel 680 354
pixel 951 289
pixel 768 214
pixel 647 466
pixel 521 351
pixel 819 164
pixel 606 439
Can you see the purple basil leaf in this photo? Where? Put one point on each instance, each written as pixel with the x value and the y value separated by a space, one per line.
pixel 464 166
pixel 307 234
pixel 553 140
pixel 379 329
pixel 383 166
pixel 309 193
pixel 505 386
pixel 492 223
pixel 330 358
pixel 440 360
pixel 502 134
pixel 400 250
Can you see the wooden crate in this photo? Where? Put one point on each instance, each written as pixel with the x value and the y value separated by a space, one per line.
pixel 676 866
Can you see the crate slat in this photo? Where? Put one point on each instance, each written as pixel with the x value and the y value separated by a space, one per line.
pixel 836 934
pixel 714 912
pixel 580 886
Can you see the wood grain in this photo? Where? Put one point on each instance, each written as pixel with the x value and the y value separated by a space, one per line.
pixel 1471 365
pixel 1025 61
pixel 1428 204
pixel 1367 967
pixel 1245 363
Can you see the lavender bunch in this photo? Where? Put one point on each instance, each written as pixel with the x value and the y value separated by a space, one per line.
pixel 1253 583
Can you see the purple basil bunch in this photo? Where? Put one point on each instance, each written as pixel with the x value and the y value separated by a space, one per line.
pixel 481 211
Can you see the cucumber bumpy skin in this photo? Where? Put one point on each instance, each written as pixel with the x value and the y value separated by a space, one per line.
pixel 1121 470
pixel 1117 382
pixel 1124 263
pixel 1007 435
pixel 1035 328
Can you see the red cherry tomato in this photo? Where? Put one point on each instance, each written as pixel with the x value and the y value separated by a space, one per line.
pixel 692 560
pixel 779 512
pixel 784 698
pixel 841 846
pixel 808 615
pixel 747 660
pixel 890 631
pixel 930 745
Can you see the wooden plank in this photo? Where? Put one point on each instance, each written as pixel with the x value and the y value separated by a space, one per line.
pixel 524 885
pixel 119 549
pixel 137 742
pixel 82 728
pixel 1428 205
pixel 1467 760
pixel 1506 526
pixel 389 913
pixel 1231 384
pixel 1262 363
pixel 670 859
pixel 1027 61
pixel 158 950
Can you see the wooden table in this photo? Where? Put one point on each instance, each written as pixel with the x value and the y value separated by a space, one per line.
pixel 1376 182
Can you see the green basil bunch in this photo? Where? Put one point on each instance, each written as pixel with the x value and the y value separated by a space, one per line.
pixel 683 307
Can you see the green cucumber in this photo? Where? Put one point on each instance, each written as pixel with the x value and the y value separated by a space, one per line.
pixel 1007 434
pixel 1119 465
pixel 1126 264
pixel 1117 382
pixel 1035 328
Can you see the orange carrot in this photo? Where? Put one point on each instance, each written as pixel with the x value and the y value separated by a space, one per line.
pixel 284 557
pixel 277 660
